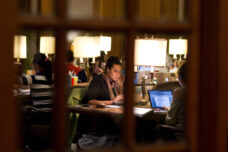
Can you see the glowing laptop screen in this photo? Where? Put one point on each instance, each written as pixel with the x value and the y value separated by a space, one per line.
pixel 160 98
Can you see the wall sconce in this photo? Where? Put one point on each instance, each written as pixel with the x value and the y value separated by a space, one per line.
pixel 47 45
pixel 178 47
pixel 20 48
pixel 105 43
pixel 149 52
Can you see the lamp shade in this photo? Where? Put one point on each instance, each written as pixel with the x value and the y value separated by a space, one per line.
pixel 105 43
pixel 151 52
pixel 47 44
pixel 20 48
pixel 86 46
pixel 178 46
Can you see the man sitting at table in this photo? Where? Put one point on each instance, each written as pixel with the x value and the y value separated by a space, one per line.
pixel 75 70
pixel 105 89
pixel 175 115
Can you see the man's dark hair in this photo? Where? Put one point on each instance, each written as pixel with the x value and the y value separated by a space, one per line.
pixel 70 56
pixel 182 71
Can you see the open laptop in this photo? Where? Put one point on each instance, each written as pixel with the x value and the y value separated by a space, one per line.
pixel 160 98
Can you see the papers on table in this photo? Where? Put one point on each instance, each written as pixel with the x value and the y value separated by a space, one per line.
pixel 113 106
pixel 140 112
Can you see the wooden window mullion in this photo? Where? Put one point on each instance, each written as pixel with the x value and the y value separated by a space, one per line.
pixel 59 114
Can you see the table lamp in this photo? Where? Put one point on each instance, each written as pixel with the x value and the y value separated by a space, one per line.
pixel 149 52
pixel 47 45
pixel 178 46
pixel 105 43
pixel 86 46
pixel 20 48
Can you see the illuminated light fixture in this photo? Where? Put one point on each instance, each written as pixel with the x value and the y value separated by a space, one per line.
pixel 178 46
pixel 86 46
pixel 105 43
pixel 20 48
pixel 150 52
pixel 47 45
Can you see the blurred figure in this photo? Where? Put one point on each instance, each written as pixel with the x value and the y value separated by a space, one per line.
pixel 41 83
pixel 97 67
pixel 75 70
pixel 175 115
pixel 39 113
pixel 174 67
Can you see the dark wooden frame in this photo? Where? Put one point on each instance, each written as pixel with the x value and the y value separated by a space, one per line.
pixel 207 123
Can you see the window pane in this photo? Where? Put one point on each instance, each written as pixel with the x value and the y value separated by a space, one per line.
pixel 34 53
pixel 95 71
pixel 38 7
pixel 158 91
pixel 101 9
pixel 163 10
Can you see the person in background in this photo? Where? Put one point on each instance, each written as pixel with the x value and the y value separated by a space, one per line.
pixel 104 89
pixel 75 70
pixel 41 88
pixel 169 64
pixel 175 115
pixel 97 67
pixel 39 111
pixel 107 87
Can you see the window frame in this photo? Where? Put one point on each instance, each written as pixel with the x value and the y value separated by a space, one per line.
pixel 194 28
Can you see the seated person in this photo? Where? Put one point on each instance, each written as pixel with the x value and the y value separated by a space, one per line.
pixel 41 83
pixel 106 88
pixel 41 87
pixel 175 115
pixel 77 71
pixel 39 113
pixel 97 67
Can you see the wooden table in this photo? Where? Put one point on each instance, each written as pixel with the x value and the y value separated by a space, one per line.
pixel 92 109
pixel 145 126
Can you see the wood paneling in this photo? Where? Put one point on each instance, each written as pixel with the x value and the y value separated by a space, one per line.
pixel 111 9
pixel 207 128
pixel 8 113
pixel 222 125
pixel 47 7
pixel 149 9
pixel 209 76
pixel 118 47
pixel 169 9
pixel 192 108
